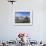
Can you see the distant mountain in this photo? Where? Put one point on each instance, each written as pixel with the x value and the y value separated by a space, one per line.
pixel 21 17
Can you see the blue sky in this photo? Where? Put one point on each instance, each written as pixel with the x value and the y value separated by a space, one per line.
pixel 22 13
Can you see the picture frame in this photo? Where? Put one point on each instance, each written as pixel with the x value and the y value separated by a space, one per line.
pixel 23 18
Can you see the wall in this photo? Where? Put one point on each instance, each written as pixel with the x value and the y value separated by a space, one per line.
pixel 9 31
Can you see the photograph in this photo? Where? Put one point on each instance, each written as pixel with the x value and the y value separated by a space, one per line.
pixel 23 17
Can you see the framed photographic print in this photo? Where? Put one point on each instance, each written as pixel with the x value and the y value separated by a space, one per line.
pixel 23 18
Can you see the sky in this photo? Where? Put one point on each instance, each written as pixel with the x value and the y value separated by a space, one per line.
pixel 22 13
